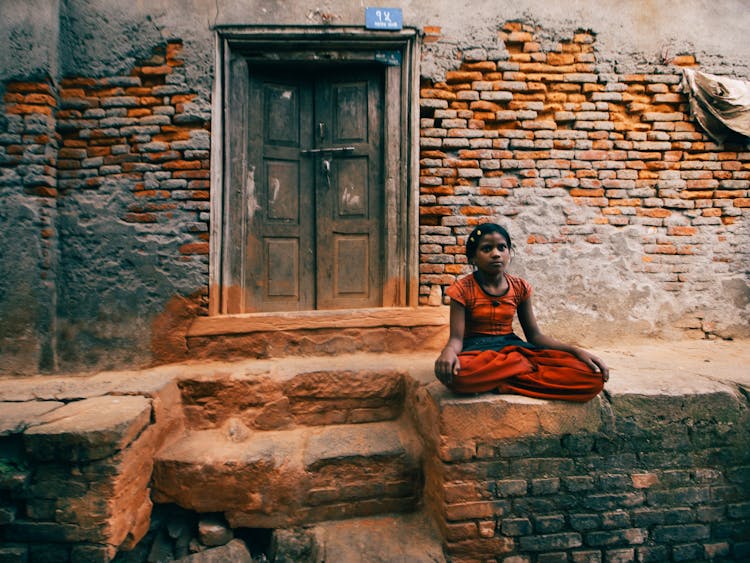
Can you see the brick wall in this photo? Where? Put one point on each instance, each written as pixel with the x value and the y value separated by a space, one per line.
pixel 634 478
pixel 109 182
pixel 613 150
pixel 116 173
pixel 28 196
pixel 136 130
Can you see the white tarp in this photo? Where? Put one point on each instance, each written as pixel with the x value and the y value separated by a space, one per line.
pixel 718 103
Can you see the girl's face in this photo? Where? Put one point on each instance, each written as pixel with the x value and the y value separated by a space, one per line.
pixel 493 254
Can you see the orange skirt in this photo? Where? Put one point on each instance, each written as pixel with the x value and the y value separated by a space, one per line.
pixel 540 373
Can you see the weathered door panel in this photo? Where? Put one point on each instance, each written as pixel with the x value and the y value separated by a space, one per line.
pixel 349 217
pixel 279 264
pixel 312 216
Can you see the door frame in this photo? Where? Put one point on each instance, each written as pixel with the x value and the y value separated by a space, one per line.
pixel 237 48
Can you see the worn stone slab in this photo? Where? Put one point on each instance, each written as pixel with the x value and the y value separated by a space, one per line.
pixel 334 384
pixel 488 416
pixel 306 320
pixel 148 382
pixel 49 388
pixel 278 478
pixel 75 387
pixel 717 360
pixel 654 384
pixel 408 537
pixel 17 417
pixel 208 472
pixel 89 429
pixel 352 441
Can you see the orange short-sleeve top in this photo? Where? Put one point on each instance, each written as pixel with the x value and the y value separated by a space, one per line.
pixel 485 313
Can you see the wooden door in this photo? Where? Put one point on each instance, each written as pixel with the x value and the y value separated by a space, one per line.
pixel 314 211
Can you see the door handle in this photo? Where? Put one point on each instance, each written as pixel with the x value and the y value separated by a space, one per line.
pixel 327 149
pixel 326 168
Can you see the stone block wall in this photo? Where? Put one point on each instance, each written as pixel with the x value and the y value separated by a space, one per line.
pixel 635 477
pixel 109 181
pixel 75 473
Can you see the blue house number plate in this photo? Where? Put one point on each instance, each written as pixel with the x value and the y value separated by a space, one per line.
pixel 390 19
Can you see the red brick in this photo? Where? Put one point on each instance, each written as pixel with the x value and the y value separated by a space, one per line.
pixel 696 195
pixel 29 87
pixel 42 191
pixel 148 101
pixel 98 151
pixel 72 93
pixel 163 194
pixel 437 210
pixel 656 212
pixel 684 60
pixel 173 50
pixel 25 109
pixel 581 192
pixel 461 531
pixel 458 76
pixel 42 99
pixel 665 249
pixel 182 165
pixel 80 82
pixel 625 202
pixel 153 70
pixel 194 248
pixel 140 218
pixel 682 231
pixel 475 210
pixel 434 93
pixel 191 174
pixel 13 98
pixel 481 66
pixel 483 549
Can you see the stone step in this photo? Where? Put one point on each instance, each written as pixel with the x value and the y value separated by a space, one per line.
pixel 390 538
pixel 278 394
pixel 272 479
pixel 325 332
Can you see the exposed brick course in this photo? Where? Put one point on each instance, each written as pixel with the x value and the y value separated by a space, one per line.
pixel 621 148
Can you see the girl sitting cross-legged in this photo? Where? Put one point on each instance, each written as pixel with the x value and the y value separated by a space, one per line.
pixel 483 354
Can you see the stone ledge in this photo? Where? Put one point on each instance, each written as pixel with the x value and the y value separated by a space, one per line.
pixel 89 429
pixel 280 478
pixel 694 382
pixel 313 320
pixel 147 382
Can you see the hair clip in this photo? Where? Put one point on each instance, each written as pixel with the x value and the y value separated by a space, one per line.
pixel 479 233
pixel 471 239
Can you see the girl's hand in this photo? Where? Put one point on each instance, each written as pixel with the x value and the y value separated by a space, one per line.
pixel 596 364
pixel 446 366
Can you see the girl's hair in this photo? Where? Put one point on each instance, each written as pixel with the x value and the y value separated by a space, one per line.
pixel 479 231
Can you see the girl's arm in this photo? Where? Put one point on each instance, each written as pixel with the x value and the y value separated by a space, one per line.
pixel 447 364
pixel 534 335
